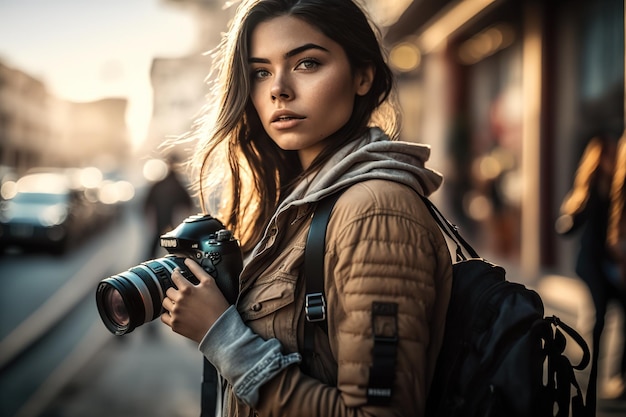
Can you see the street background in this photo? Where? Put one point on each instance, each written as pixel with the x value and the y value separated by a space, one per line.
pixel 506 92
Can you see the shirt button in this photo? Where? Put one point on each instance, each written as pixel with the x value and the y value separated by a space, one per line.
pixel 256 307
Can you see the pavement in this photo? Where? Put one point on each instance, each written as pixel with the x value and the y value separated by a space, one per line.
pixel 149 372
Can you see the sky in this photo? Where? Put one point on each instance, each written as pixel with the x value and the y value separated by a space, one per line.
pixel 84 50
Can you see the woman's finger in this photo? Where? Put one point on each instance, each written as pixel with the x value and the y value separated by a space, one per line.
pixel 166 318
pixel 168 304
pixel 197 270
pixel 179 280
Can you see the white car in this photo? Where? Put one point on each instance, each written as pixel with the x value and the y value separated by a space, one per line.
pixel 43 212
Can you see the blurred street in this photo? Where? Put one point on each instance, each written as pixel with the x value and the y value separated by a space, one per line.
pixel 56 356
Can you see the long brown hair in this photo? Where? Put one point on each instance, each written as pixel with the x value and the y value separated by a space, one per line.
pixel 242 175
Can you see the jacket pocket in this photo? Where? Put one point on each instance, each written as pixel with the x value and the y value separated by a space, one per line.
pixel 269 305
pixel 268 308
pixel 267 297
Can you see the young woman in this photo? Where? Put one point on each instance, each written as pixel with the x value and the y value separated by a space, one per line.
pixel 303 110
pixel 587 208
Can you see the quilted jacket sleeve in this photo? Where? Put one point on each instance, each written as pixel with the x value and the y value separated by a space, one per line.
pixel 381 246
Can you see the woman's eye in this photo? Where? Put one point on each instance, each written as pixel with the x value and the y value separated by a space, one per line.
pixel 308 64
pixel 259 74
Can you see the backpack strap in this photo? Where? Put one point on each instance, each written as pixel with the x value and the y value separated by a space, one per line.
pixel 561 371
pixel 451 230
pixel 584 361
pixel 315 300
pixel 384 315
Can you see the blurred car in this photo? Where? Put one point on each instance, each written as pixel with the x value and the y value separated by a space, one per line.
pixel 44 212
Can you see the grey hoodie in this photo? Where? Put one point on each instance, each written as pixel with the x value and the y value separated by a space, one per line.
pixel 373 156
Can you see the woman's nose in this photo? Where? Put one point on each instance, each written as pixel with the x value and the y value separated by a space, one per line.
pixel 280 89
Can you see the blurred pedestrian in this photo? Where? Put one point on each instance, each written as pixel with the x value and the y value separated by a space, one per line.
pixel 595 205
pixel 167 203
pixel 616 235
pixel 304 109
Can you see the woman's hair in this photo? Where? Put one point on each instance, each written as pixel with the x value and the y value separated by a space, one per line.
pixel 260 174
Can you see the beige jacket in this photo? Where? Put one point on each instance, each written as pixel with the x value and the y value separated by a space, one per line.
pixel 382 245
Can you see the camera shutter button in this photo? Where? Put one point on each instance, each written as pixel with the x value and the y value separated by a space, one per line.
pixel 224 235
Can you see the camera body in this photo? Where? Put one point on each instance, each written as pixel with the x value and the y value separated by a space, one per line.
pixel 132 298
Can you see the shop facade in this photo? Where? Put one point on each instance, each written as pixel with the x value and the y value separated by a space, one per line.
pixel 507 93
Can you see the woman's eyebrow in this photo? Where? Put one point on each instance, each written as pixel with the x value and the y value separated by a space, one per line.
pixel 291 53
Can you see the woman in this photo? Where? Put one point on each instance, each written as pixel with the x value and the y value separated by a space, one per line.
pixel 300 84
pixel 594 207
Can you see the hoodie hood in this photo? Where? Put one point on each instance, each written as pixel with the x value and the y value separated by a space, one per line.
pixel 374 156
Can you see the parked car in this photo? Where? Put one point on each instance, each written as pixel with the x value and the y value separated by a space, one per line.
pixel 45 212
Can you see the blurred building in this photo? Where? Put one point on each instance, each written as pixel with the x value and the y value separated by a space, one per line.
pixel 24 118
pixel 179 92
pixel 94 131
pixel 180 83
pixel 39 129
pixel 508 92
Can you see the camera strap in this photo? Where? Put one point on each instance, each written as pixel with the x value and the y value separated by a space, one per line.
pixel 209 390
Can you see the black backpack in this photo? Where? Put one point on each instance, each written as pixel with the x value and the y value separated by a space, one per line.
pixel 500 355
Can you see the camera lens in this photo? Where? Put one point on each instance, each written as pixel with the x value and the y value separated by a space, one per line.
pixel 134 297
pixel 116 307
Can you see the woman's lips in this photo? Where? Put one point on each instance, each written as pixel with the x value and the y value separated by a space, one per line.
pixel 286 123
pixel 286 120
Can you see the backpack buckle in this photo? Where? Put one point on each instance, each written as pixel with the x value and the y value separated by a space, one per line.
pixel 315 307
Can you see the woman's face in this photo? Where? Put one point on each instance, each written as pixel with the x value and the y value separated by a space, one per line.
pixel 303 87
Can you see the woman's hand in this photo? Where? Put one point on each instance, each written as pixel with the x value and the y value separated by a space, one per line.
pixel 192 309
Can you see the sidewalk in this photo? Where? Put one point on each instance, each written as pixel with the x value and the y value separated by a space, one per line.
pixel 149 372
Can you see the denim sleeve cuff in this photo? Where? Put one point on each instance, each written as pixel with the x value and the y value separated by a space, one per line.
pixel 244 358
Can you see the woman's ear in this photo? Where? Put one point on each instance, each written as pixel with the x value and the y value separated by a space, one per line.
pixel 363 79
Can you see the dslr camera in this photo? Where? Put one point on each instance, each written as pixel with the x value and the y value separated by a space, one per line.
pixel 132 298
